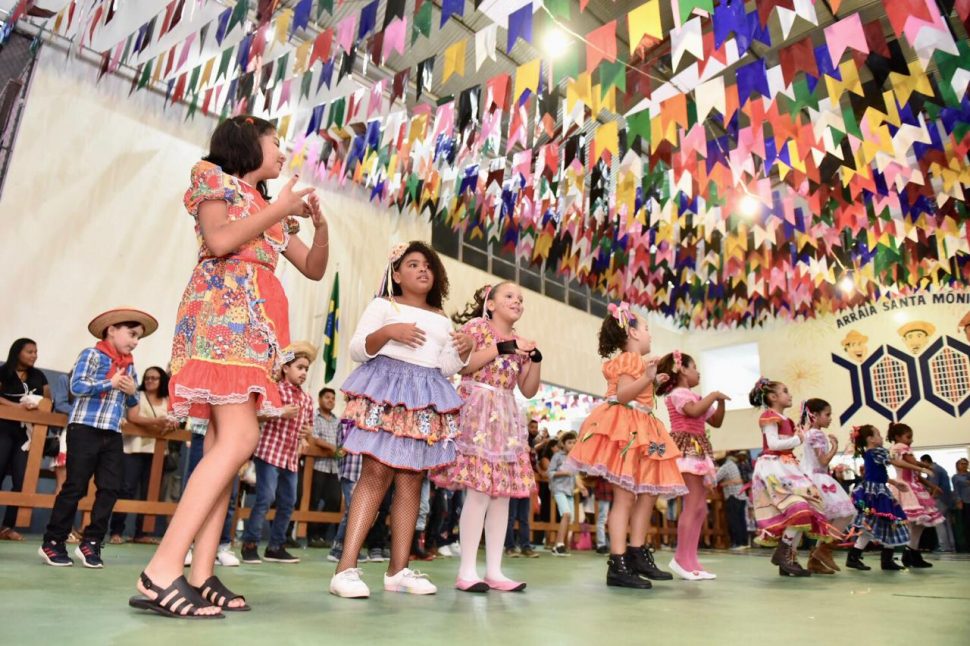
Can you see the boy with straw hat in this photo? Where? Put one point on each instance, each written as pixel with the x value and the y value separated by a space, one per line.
pixel 277 460
pixel 104 384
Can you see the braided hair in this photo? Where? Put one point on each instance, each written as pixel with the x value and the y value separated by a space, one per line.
pixel 811 408
pixel 759 394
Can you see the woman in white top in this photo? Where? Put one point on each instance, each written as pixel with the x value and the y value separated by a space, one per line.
pixel 153 407
pixel 402 410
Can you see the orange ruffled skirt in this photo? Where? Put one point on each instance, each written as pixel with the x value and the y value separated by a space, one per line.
pixel 630 448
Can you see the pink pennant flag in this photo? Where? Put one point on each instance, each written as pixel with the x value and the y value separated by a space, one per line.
pixel 345 32
pixel 116 57
pixel 844 34
pixel 186 48
pixel 376 102
pixel 284 93
pixel 394 35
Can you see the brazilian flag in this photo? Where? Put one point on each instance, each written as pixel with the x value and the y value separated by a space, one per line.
pixel 331 332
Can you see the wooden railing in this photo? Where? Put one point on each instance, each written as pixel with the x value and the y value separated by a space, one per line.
pixel 662 530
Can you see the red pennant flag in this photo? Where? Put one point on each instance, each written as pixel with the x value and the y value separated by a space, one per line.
pixel 600 45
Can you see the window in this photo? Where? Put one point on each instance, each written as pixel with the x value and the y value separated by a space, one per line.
pixel 733 370
pixel 502 263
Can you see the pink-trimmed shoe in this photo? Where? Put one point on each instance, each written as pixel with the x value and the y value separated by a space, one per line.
pixel 505 586
pixel 466 585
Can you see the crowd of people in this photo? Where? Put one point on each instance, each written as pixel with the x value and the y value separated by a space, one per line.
pixel 430 453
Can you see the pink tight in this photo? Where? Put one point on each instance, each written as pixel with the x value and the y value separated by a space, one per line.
pixel 691 522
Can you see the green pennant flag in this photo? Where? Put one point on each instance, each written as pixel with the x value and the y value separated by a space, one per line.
pixel 146 74
pixel 422 22
pixel 224 63
pixel 194 78
pixel 331 332
pixel 127 52
pixel 558 8
pixel 612 75
pixel 638 124
pixel 324 5
pixel 193 105
pixel 305 84
pixel 281 67
pixel 566 65
pixel 238 15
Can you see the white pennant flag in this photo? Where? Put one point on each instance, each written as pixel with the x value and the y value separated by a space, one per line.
pixel 485 45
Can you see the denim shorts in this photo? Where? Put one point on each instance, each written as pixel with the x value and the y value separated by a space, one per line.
pixel 564 503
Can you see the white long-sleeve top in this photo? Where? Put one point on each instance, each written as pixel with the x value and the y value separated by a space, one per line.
pixel 777 442
pixel 438 350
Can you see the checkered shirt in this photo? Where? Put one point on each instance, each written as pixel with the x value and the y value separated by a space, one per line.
pixel 279 438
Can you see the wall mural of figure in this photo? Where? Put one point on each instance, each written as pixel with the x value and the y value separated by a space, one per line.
pixel 916 335
pixel 964 325
pixel 855 345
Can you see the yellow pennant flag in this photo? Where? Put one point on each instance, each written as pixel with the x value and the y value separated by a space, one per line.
pixel 207 72
pixel 607 138
pixel 579 89
pixel 455 60
pixel 283 26
pixel 302 53
pixel 527 78
pixel 645 21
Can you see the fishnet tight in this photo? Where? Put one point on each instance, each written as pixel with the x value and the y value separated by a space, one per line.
pixel 375 478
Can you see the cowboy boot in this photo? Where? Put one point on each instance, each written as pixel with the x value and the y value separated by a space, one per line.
pixel 914 559
pixel 790 565
pixel 823 553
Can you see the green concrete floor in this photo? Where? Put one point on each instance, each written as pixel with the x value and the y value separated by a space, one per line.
pixel 567 602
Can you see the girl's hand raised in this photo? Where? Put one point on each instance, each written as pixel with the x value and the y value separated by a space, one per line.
pixel 292 200
pixel 464 344
pixel 312 210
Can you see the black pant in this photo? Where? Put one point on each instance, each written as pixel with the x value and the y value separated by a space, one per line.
pixel 138 471
pixel 737 521
pixel 90 451
pixel 325 493
pixel 13 463
pixel 962 527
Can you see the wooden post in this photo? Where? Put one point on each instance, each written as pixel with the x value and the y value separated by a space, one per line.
pixel 38 435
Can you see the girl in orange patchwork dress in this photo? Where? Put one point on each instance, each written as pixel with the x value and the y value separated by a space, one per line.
pixel 493 463
pixel 625 444
pixel 230 332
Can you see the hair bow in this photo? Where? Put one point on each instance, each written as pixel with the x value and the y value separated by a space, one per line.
pixel 488 291
pixel 395 254
pixel 678 362
pixel 658 448
pixel 854 433
pixel 621 312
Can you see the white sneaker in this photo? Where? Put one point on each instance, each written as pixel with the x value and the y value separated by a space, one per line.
pixel 347 584
pixel 188 558
pixel 226 557
pixel 706 576
pixel 455 548
pixel 410 581
pixel 445 551
pixel 686 575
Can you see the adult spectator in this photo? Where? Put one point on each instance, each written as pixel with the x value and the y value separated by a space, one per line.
pixel 940 478
pixel 729 479
pixel 961 500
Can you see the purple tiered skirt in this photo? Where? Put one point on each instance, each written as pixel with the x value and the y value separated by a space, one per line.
pixel 401 415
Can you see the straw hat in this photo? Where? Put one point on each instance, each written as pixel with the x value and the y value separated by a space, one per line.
pixel 103 321
pixel 917 326
pixel 303 347
pixel 854 337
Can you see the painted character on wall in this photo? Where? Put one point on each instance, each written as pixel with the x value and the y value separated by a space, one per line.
pixel 964 325
pixel 916 335
pixel 855 345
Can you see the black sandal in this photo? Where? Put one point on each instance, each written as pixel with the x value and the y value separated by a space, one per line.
pixel 179 600
pixel 219 595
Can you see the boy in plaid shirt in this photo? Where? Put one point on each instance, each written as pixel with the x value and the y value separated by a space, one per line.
pixel 277 460
pixel 105 387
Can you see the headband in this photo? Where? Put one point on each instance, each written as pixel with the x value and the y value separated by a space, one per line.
pixel 621 312
pixel 678 362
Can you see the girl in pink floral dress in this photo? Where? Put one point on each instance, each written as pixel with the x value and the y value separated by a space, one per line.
pixel 493 462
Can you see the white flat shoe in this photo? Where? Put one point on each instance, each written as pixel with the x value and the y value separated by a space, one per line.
pixel 686 575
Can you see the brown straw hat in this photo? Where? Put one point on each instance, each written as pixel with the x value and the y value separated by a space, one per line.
pixel 304 348
pixel 103 321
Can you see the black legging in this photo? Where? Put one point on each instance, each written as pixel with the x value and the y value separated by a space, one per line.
pixel 13 463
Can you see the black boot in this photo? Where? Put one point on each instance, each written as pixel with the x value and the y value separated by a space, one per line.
pixel 620 574
pixel 888 562
pixel 914 559
pixel 854 560
pixel 641 560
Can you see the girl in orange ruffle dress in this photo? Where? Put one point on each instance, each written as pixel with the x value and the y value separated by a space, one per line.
pixel 625 444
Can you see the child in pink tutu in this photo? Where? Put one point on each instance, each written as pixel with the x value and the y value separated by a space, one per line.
pixel 916 501
pixel 493 462
pixel 677 373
